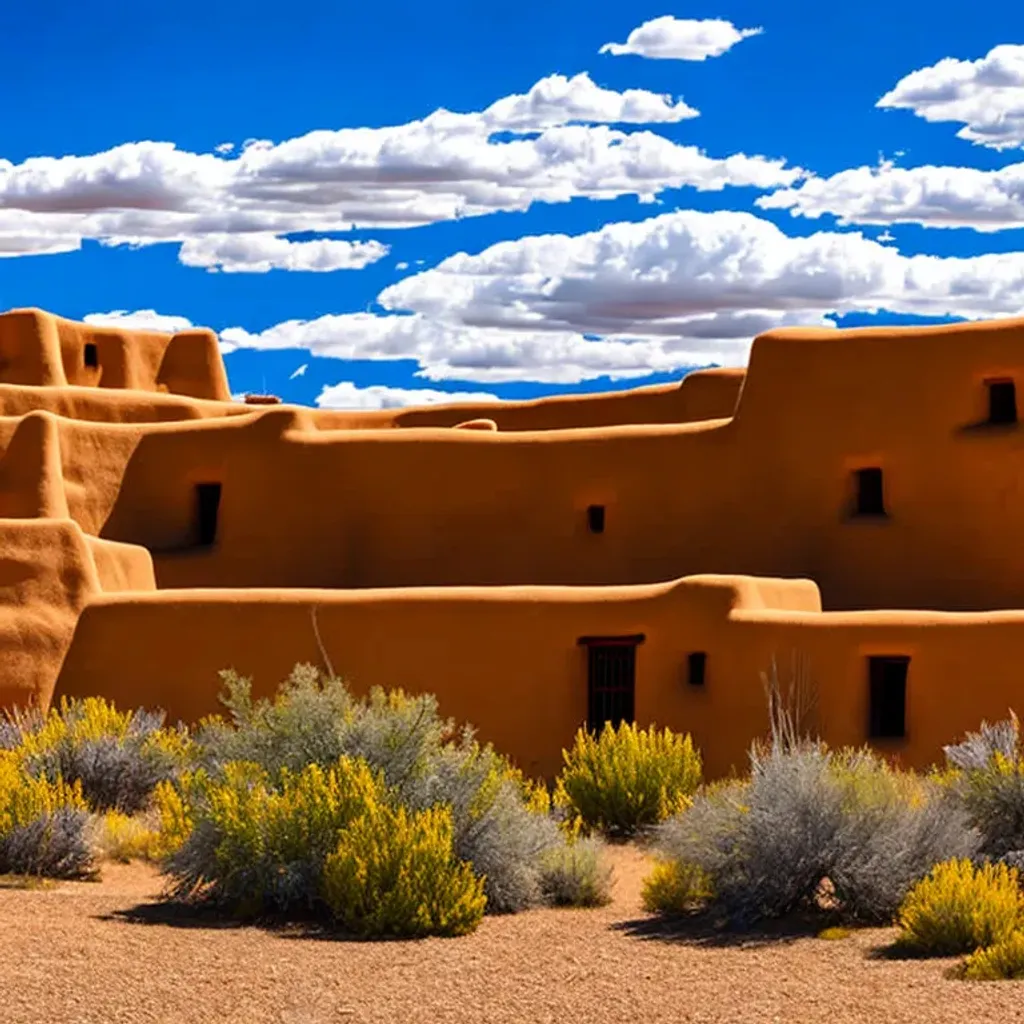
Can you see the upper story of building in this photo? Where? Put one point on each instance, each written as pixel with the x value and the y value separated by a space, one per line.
pixel 886 464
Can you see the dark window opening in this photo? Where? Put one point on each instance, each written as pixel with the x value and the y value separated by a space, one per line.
pixel 1002 401
pixel 595 518
pixel 887 681
pixel 207 509
pixel 696 665
pixel 91 355
pixel 870 496
pixel 611 684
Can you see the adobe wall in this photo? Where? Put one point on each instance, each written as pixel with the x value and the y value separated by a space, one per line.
pixel 508 661
pixel 37 348
pixel 49 569
pixel 765 493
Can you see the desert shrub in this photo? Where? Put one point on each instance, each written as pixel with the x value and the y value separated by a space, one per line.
pixel 118 756
pixel 117 836
pixel 395 873
pixel 500 820
pixel 43 825
pixel 673 887
pixel 961 907
pixel 987 778
pixel 1002 961
pixel 807 814
pixel 575 874
pixel 315 720
pixel 255 844
pixel 627 779
pixel 893 828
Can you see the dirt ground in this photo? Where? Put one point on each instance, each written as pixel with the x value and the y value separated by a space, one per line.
pixel 103 953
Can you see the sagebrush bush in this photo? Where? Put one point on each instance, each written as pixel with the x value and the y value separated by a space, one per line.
pixel 627 779
pixel 987 778
pixel 1002 961
pixel 807 814
pixel 43 825
pixel 575 874
pixel 396 874
pixel 501 823
pixel 673 887
pixel 118 756
pixel 961 907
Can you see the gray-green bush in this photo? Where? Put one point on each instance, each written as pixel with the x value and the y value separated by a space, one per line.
pixel 805 815
pixel 422 758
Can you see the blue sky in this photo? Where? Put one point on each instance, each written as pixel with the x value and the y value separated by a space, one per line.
pixel 610 237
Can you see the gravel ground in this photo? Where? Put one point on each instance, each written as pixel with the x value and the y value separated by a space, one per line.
pixel 73 954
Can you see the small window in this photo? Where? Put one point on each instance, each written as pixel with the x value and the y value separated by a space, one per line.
pixel 870 499
pixel 696 666
pixel 91 355
pixel 1002 401
pixel 207 512
pixel 887 682
pixel 611 684
pixel 595 518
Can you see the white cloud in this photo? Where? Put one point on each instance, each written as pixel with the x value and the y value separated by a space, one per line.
pixel 678 290
pixel 557 100
pixel 442 167
pixel 140 320
pixel 260 252
pixel 224 147
pixel 986 96
pixel 348 395
pixel 944 197
pixel 668 38
pixel 402 266
pixel 299 371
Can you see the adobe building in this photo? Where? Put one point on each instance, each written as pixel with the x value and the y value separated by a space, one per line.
pixel 855 500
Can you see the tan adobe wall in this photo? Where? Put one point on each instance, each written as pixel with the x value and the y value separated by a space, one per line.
pixel 507 659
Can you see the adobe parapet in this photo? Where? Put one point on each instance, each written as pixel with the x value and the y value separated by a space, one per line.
pixel 40 349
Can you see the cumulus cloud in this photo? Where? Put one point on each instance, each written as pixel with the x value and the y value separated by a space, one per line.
pixel 986 96
pixel 140 320
pixel 945 197
pixel 668 38
pixel 682 289
pixel 348 395
pixel 557 100
pixel 260 252
pixel 552 144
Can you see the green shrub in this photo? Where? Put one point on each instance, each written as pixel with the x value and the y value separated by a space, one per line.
pixel 500 821
pixel 959 908
pixel 673 887
pixel 122 838
pixel 395 873
pixel 987 777
pixel 257 845
pixel 628 779
pixel 43 824
pixel 119 757
pixel 575 874
pixel 1002 961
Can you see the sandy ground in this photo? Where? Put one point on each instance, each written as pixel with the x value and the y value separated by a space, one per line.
pixel 102 953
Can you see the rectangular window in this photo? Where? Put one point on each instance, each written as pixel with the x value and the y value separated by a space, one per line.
pixel 91 355
pixel 595 518
pixel 696 664
pixel 887 682
pixel 1002 401
pixel 611 680
pixel 207 511
pixel 870 499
